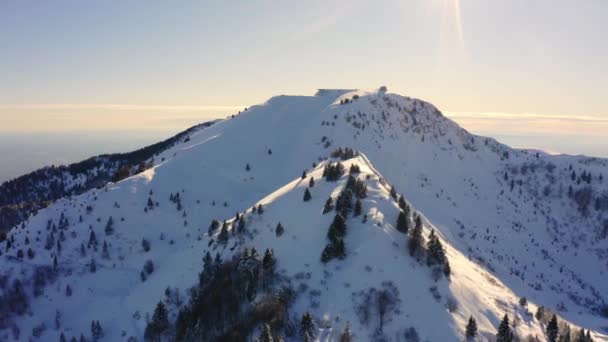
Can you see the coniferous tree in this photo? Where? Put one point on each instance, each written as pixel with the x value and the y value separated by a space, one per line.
pixel 96 330
pixel 328 206
pixel 307 195
pixel 241 227
pixel 414 242
pixel 279 229
pixel 92 239
pixel 104 252
pixel 304 174
pixel 311 183
pixel 504 334
pixel 347 335
pixel 471 330
pixel 402 223
pixel 223 236
pixel 93 266
pixel 307 326
pixel 159 323
pixel 358 208
pixel 402 203
pixel 337 229
pixel 393 192
pixel 552 329
pixel 145 245
pixel 266 334
pixel 110 226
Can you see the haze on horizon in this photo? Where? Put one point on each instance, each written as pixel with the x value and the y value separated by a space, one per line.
pixel 532 74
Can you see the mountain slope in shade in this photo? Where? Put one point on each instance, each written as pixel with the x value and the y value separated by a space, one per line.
pixel 514 223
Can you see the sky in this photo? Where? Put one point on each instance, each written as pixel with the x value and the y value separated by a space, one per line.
pixel 531 73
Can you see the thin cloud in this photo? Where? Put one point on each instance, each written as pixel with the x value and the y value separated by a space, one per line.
pixel 107 106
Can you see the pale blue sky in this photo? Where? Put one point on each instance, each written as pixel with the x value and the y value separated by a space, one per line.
pixel 508 68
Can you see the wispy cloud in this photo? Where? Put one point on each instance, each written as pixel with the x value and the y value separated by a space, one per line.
pixel 531 124
pixel 110 106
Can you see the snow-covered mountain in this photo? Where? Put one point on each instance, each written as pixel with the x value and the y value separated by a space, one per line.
pixel 514 225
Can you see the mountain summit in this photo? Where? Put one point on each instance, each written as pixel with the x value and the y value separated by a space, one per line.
pixel 345 215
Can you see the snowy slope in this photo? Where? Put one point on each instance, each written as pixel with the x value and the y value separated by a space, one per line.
pixel 503 242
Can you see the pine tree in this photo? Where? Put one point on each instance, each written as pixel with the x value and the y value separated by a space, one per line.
pixel 337 229
pixel 242 226
pixel 552 329
pixel 96 330
pixel 414 243
pixel 402 222
pixel 223 236
pixel 504 331
pixel 347 335
pixel 307 195
pixel 328 206
pixel 393 192
pixel 304 174
pixel 358 208
pixel 311 183
pixel 159 323
pixel 402 203
pixel 110 226
pixel 279 230
pixel 471 330
pixel 266 334
pixel 92 239
pixel 307 326
pixel 93 266
pixel 104 252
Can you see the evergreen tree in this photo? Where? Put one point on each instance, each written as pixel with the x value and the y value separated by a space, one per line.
pixel 504 331
pixel 304 174
pixel 328 206
pixel 414 243
pixel 402 222
pixel 358 208
pixel 306 195
pixel 347 335
pixel 145 245
pixel 311 183
pixel 266 334
pixel 447 270
pixel 393 192
pixel 471 330
pixel 552 329
pixel 92 239
pixel 223 236
pixel 307 326
pixel 402 203
pixel 104 252
pixel 337 229
pixel 110 226
pixel 279 230
pixel 241 227
pixel 159 323
pixel 96 330
pixel 93 266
